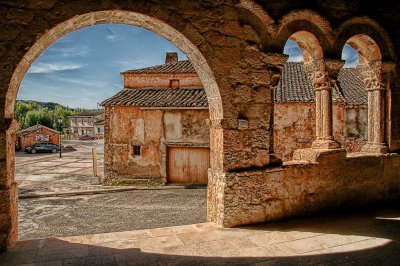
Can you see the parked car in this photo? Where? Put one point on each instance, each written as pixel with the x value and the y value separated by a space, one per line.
pixel 86 137
pixel 43 147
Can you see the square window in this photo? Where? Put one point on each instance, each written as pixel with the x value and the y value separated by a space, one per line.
pixel 136 150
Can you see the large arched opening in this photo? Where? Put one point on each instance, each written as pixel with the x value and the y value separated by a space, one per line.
pixel 116 17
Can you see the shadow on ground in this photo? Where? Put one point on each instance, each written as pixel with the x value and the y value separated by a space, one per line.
pixel 377 222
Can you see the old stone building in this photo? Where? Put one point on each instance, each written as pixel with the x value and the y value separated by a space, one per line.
pixel 166 139
pixel 88 123
pixel 294 111
pixel 34 134
pixel 236 48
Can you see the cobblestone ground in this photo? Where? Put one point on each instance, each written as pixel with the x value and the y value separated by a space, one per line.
pixel 89 214
pixel 111 212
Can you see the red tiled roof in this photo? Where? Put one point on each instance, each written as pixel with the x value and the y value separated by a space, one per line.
pixel 295 86
pixel 156 97
pixel 175 67
pixel 34 128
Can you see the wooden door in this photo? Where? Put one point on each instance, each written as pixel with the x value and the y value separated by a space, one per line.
pixel 188 165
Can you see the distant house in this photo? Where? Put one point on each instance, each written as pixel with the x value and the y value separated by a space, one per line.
pixel 294 111
pixel 87 123
pixel 156 127
pixel 36 133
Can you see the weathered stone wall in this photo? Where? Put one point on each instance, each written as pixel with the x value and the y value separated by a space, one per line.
pixel 294 127
pixel 160 80
pixel 153 130
pixel 299 187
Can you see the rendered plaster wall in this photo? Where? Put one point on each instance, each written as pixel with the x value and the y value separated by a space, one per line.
pixel 355 128
pixel 29 139
pixel 329 180
pixel 294 127
pixel 152 130
pixel 160 80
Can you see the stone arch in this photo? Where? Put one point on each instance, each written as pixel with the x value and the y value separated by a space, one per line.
pixel 305 21
pixel 155 25
pixel 370 69
pixel 364 26
pixel 309 44
pixel 255 15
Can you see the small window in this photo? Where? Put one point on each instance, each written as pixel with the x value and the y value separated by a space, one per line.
pixel 136 150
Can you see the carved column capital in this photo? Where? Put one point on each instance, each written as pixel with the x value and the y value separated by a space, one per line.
pixel 333 67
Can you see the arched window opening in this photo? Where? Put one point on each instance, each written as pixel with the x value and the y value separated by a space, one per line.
pixel 351 130
pixel 109 87
pixel 368 125
pixel 294 97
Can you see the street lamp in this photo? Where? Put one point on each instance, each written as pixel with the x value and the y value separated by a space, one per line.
pixel 59 120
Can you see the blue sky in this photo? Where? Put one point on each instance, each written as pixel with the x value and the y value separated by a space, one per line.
pixel 83 68
pixel 349 54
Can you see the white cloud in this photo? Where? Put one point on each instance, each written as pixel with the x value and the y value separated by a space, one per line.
pixel 296 58
pixel 52 67
pixel 85 82
pixel 110 35
pixel 350 55
pixel 81 51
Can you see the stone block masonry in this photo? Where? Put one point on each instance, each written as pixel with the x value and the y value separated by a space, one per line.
pixel 317 180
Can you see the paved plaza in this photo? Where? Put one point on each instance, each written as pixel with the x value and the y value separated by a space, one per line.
pixel 354 238
pixel 46 172
pixel 44 211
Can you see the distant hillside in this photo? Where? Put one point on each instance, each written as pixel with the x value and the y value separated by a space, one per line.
pixel 49 105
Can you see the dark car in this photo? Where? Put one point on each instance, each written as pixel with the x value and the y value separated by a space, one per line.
pixel 43 147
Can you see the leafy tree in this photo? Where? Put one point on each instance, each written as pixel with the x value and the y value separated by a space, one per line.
pixel 30 113
pixel 38 116
pixel 21 109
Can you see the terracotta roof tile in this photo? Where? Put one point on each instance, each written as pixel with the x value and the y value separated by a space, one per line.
pixel 295 86
pixel 156 97
pixel 34 128
pixel 175 67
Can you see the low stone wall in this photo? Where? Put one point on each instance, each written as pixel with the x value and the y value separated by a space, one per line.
pixel 316 180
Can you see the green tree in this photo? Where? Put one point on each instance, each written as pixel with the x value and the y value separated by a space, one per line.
pixel 39 116
pixel 21 109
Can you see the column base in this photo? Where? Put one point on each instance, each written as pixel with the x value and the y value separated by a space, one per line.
pixel 381 148
pixel 325 144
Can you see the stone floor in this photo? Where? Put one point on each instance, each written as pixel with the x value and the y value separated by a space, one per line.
pixel 44 172
pixel 354 238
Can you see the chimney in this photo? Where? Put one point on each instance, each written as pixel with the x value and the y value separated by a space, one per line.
pixel 171 57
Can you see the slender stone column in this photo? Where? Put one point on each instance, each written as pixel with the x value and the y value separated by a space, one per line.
pixel 323 75
pixel 375 76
